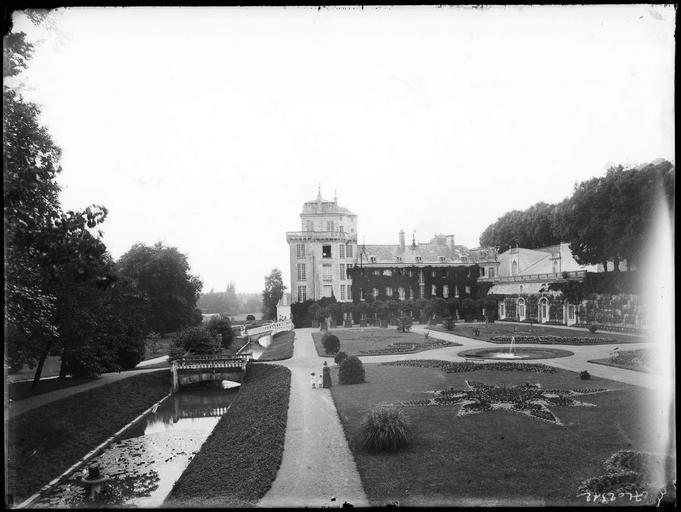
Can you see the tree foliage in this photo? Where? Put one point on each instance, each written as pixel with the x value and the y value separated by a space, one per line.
pixel 274 289
pixel 162 275
pixel 605 219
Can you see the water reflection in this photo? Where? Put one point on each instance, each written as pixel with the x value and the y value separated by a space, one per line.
pixel 145 463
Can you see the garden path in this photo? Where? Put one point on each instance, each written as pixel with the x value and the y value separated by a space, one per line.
pixel 317 463
pixel 576 362
pixel 20 407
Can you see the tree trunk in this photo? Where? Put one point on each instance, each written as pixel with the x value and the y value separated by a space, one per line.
pixel 616 265
pixel 62 368
pixel 39 368
pixel 605 266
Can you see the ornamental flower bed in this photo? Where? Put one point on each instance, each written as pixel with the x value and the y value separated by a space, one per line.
pixel 528 399
pixel 630 474
pixel 554 340
pixel 459 367
pixel 401 347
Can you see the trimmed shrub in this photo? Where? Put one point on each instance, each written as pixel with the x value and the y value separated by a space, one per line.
pixel 250 318
pixel 448 323
pixel 584 375
pixel 351 371
pixel 222 326
pixel 593 328
pixel 384 430
pixel 340 357
pixel 331 343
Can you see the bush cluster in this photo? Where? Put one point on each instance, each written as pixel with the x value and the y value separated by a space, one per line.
pixel 340 357
pixel 584 375
pixel 194 340
pixel 384 430
pixel 331 343
pixel 351 371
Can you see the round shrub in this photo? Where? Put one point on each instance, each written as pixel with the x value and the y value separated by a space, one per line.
pixel 593 328
pixel 197 340
pixel 249 318
pixel 331 343
pixel 584 375
pixel 351 371
pixel 384 430
pixel 340 357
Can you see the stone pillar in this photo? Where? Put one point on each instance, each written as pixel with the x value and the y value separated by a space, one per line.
pixel 176 379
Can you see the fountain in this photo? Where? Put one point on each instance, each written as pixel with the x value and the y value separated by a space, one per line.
pixel 515 353
pixel 93 481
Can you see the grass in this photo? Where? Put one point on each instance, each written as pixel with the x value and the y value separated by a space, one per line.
pixel 50 369
pixel 162 348
pixel 492 458
pixel 240 459
pixel 638 360
pixel 280 348
pixel 374 341
pixel 43 442
pixel 507 329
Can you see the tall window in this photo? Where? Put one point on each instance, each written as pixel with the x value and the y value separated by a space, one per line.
pixel 401 292
pixel 301 272
pixel 349 291
pixel 310 225
pixel 349 246
pixel 327 290
pixel 389 291
pixel 302 293
pixel 456 291
pixel 502 310
pixel 433 291
pixel 375 292
pixel 411 293
pixel 340 229
pixel 342 288
pixel 490 272
pixel 300 250
pixel 326 251
pixel 343 275
pixel 326 273
pixel 422 291
pixel 329 225
pixel 445 290
pixel 482 271
pixel 514 268
pixel 521 309
pixel 468 289
pixel 341 251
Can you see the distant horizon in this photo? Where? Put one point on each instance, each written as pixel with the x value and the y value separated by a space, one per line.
pixel 426 119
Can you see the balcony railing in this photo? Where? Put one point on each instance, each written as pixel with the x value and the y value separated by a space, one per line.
pixel 336 235
pixel 554 276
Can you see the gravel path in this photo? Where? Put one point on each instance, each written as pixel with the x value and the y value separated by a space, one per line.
pixel 317 464
pixel 16 408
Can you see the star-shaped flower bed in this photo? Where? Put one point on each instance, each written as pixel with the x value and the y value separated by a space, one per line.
pixel 528 399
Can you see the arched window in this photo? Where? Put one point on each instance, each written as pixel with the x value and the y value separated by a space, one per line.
pixel 543 310
pixel 514 268
pixel 521 309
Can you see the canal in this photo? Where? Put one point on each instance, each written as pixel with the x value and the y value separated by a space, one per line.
pixel 144 464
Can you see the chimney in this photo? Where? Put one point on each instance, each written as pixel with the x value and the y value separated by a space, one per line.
pixel 401 240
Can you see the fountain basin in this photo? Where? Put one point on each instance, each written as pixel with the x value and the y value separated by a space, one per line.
pixel 517 354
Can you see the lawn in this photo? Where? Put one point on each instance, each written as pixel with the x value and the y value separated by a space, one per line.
pixel 280 348
pixel 496 457
pixel 375 341
pixel 44 442
pixel 522 329
pixel 160 348
pixel 240 459
pixel 638 360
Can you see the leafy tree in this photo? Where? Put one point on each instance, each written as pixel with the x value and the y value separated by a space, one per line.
pixel 162 274
pixel 49 254
pixel 222 328
pixel 274 289
pixel 531 228
pixel 196 340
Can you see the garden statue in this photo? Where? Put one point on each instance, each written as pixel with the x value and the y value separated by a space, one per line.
pixel 327 375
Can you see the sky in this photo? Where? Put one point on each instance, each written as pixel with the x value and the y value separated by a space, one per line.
pixel 208 128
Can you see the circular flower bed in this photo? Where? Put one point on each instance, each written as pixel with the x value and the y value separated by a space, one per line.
pixel 553 340
pixel 518 353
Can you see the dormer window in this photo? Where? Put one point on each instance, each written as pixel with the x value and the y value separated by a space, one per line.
pixel 399 259
pixel 419 259
pixel 442 259
pixel 372 259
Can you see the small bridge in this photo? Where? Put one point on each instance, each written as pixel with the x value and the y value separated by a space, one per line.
pixel 267 329
pixel 190 370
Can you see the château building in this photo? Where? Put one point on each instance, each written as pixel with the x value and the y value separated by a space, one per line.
pixel 326 260
pixel 322 250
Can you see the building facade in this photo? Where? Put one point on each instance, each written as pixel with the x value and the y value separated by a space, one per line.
pixel 321 252
pixel 325 260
